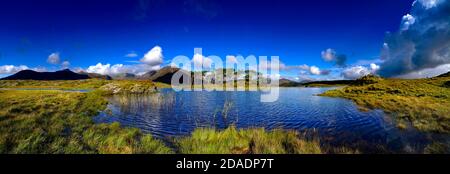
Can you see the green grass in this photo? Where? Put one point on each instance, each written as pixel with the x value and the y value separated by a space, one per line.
pixel 57 84
pixel 57 122
pixel 251 141
pixel 422 103
pixel 90 84
pixel 54 122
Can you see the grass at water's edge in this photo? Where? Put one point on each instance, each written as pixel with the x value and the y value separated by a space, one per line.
pixel 422 103
pixel 57 122
pixel 253 141
pixel 53 122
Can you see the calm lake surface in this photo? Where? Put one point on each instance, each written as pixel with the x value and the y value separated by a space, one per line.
pixel 170 113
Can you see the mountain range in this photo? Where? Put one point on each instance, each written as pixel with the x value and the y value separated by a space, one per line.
pixel 165 75
pixel 58 75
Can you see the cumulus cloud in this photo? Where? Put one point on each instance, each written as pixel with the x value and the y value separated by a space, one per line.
pixel 11 69
pixel 428 3
pixel 330 55
pixel 356 72
pixel 374 67
pixel 108 69
pixel 424 44
pixel 312 70
pixel 53 58
pixel 407 20
pixel 315 70
pixel 154 57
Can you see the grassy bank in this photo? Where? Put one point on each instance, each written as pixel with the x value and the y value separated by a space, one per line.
pixel 60 122
pixel 56 122
pixel 56 84
pixel 421 103
pixel 90 84
pixel 252 141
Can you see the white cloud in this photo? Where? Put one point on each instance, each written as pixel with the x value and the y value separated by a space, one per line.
pixel 99 69
pixel 374 67
pixel 425 73
pixel 65 64
pixel 407 20
pixel 355 72
pixel 314 70
pixel 131 55
pixel 154 57
pixel 311 70
pixel 427 3
pixel 53 58
pixel 108 69
pixel 329 55
pixel 11 69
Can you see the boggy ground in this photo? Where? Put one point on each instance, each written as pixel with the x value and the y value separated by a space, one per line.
pixel 422 103
pixel 55 122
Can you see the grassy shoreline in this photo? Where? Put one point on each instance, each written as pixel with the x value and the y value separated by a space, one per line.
pixel 422 103
pixel 58 122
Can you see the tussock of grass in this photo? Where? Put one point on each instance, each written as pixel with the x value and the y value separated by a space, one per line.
pixel 60 122
pixel 437 148
pixel 423 102
pixel 249 141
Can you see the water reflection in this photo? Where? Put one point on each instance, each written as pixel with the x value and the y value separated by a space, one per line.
pixel 338 121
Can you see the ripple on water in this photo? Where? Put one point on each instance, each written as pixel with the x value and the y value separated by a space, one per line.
pixel 178 113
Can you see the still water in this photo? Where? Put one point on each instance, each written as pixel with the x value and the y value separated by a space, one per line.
pixel 168 113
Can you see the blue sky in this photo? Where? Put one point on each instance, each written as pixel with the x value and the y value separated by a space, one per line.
pixel 85 33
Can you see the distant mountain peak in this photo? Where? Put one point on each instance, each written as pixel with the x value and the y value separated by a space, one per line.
pixel 65 74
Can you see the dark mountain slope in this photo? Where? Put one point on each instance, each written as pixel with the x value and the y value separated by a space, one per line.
pixel 58 75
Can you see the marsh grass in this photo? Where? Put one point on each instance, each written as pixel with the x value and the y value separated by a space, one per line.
pixel 249 141
pixel 425 103
pixel 252 141
pixel 60 122
pixel 89 84
pixel 57 122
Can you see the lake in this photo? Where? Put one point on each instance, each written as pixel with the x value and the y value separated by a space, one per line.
pixel 338 121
